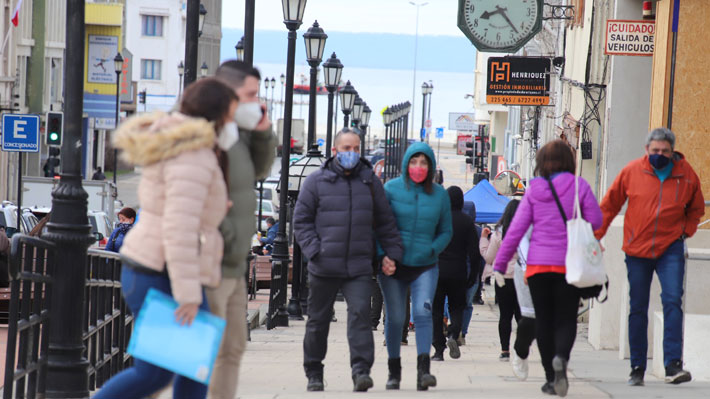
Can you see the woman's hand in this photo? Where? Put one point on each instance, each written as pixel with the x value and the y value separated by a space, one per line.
pixel 186 313
pixel 486 232
pixel 388 266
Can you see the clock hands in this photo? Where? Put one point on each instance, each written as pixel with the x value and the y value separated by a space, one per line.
pixel 503 12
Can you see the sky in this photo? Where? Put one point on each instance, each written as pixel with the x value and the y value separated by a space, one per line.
pixel 437 18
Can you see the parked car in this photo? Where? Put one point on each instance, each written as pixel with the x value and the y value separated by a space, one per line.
pixel 270 192
pixel 8 219
pixel 267 209
pixel 101 227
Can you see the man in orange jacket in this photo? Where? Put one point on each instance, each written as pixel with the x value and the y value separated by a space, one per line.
pixel 665 206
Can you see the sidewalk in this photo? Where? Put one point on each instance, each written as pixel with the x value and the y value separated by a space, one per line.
pixel 272 367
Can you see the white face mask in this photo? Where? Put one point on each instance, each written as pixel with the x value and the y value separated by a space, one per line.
pixel 228 136
pixel 248 115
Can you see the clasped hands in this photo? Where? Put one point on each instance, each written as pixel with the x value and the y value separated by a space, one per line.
pixel 388 266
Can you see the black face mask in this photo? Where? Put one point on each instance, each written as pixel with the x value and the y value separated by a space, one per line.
pixel 658 161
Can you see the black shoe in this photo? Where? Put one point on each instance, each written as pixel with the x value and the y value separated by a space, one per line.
pixel 315 383
pixel 453 346
pixel 424 377
pixel 636 377
pixel 361 383
pixel 504 356
pixel 675 373
pixel 548 388
pixel 561 384
pixel 438 356
pixel 395 373
pixel 478 301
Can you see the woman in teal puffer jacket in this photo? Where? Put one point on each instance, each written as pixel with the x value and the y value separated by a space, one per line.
pixel 423 212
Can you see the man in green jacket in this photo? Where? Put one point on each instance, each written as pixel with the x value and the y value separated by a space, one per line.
pixel 250 159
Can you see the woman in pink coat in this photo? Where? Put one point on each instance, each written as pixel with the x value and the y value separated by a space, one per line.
pixel 555 301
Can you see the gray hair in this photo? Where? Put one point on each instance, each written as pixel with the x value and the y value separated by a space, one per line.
pixel 342 133
pixel 661 134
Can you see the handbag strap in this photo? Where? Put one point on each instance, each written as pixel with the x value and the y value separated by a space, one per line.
pixel 557 200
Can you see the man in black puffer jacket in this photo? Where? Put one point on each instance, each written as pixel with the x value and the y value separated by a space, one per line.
pixel 454 277
pixel 337 210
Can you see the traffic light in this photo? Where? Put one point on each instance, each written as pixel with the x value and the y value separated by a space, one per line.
pixel 55 127
pixel 50 167
pixel 469 153
pixel 141 96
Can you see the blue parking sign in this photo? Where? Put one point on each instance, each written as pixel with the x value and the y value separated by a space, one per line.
pixel 20 133
pixel 439 132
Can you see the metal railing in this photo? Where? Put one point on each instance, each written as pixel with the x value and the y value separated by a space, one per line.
pixel 30 269
pixel 108 322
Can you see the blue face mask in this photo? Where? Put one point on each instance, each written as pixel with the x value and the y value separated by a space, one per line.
pixel 658 161
pixel 348 160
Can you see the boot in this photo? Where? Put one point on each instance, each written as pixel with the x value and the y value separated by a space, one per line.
pixel 395 375
pixel 424 378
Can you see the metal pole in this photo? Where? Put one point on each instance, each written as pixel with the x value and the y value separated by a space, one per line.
pixel 249 11
pixel 192 28
pixel 69 229
pixel 295 312
pixel 428 114
pixel 118 107
pixel 280 255
pixel 261 201
pixel 421 138
pixel 388 156
pixel 179 89
pixel 329 133
pixel 19 193
pixel 363 138
pixel 312 108
pixel 346 119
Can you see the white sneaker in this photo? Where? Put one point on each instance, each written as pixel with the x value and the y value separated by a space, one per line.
pixel 520 366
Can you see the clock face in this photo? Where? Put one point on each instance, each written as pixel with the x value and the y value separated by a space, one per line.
pixel 500 25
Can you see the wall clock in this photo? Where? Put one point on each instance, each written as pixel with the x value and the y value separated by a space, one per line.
pixel 500 26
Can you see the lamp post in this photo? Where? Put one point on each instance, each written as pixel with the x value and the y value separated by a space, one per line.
pixel 364 121
pixel 201 18
pixel 203 69
pixel 267 81
pixel 332 70
pixel 314 39
pixel 347 100
pixel 69 229
pixel 249 11
pixel 193 26
pixel 277 315
pixel 181 71
pixel 239 47
pixel 118 67
pixel 387 119
pixel 429 90
pixel 425 87
pixel 273 85
pixel 283 81
pixel 418 5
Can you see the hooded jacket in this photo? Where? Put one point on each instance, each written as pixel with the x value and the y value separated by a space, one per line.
pixel 548 242
pixel 183 200
pixel 659 213
pixel 463 246
pixel 334 219
pixel 423 220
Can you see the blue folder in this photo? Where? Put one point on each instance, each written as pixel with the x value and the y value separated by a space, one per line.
pixel 158 339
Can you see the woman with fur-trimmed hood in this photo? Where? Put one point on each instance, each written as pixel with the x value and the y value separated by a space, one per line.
pixel 176 247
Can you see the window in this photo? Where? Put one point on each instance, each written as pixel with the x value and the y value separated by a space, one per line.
pixel 150 69
pixel 152 25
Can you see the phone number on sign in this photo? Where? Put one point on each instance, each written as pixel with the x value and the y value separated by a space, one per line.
pixel 518 100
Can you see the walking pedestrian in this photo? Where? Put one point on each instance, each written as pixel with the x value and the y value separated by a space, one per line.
pixel 177 247
pixel 454 277
pixel 504 285
pixel 525 334
pixel 474 267
pixel 423 212
pixel 555 301
pixel 250 158
pixel 337 210
pixel 665 203
pixel 126 218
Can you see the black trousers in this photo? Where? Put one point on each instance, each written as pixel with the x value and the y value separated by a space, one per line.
pixel 376 304
pixel 524 337
pixel 509 308
pixel 455 289
pixel 556 304
pixel 321 296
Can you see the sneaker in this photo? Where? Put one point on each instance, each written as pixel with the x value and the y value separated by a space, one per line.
pixel 504 356
pixel 561 384
pixel 315 383
pixel 675 373
pixel 453 346
pixel 520 366
pixel 548 388
pixel 462 340
pixel 438 356
pixel 636 377
pixel 362 382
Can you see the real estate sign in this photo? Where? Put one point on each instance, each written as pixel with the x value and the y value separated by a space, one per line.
pixel 518 81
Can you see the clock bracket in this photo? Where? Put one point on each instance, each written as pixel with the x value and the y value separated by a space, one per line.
pixel 558 12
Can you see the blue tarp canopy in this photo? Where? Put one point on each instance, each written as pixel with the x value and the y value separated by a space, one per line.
pixel 489 204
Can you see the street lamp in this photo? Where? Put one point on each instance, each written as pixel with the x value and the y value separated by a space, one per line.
pixel 347 100
pixel 364 122
pixel 425 88
pixel 118 67
pixel 194 22
pixel 314 39
pixel 203 12
pixel 332 70
pixel 273 85
pixel 203 69
pixel 430 89
pixel 181 71
pixel 387 119
pixel 240 49
pixel 283 81
pixel 267 81
pixel 277 315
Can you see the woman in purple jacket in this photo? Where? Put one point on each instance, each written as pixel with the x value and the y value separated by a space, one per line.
pixel 554 300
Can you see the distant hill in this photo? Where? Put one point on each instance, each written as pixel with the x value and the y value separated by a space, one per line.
pixel 364 50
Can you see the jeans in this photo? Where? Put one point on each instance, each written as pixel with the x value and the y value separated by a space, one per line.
pixel 468 311
pixel 395 294
pixel 670 268
pixel 321 297
pixel 144 379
